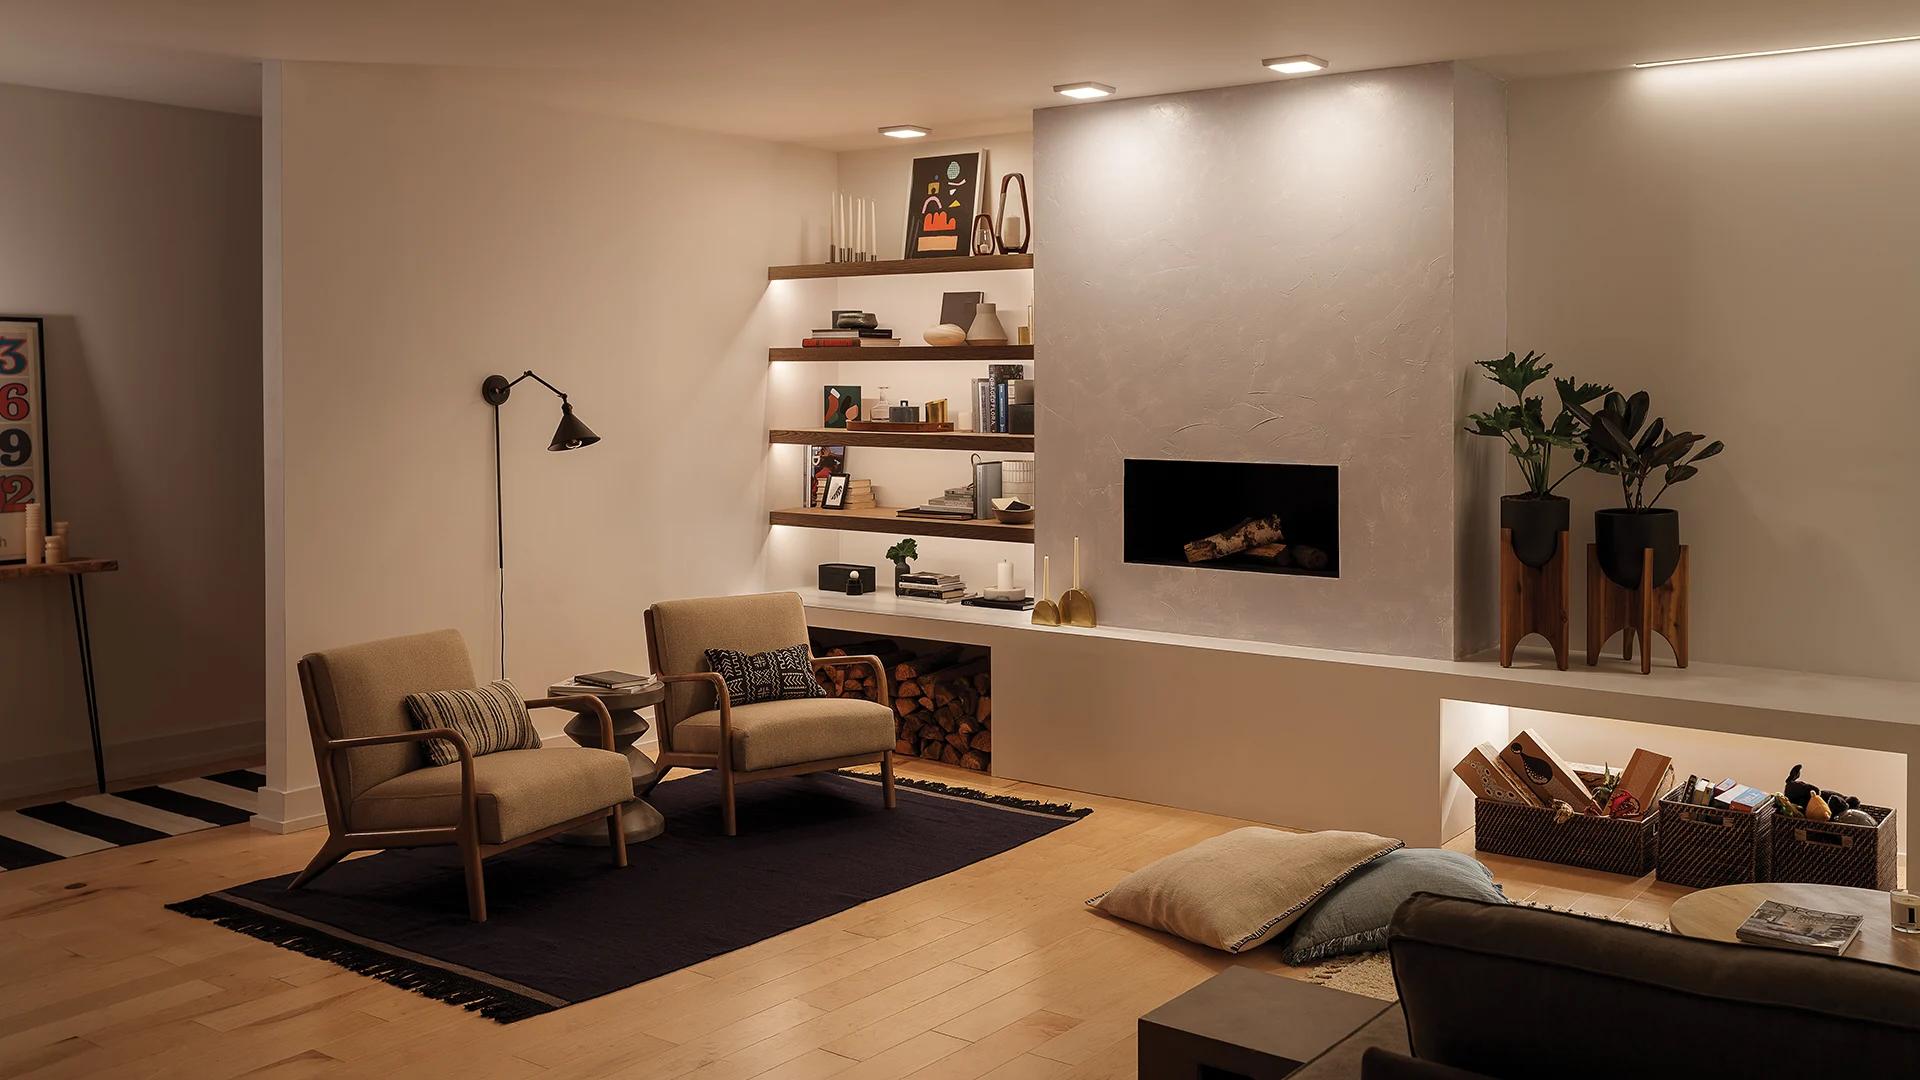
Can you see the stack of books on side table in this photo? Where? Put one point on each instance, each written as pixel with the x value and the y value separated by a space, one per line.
pixel 879 337
pixel 928 585
pixel 612 682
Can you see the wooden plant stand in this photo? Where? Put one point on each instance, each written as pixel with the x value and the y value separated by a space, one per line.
pixel 1533 600
pixel 1637 612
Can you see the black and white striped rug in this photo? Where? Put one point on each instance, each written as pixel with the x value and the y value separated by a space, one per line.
pixel 61 830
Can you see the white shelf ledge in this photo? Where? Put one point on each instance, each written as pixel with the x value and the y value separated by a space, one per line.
pixel 1532 679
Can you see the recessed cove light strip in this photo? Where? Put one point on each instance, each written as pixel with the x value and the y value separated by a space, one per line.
pixel 1775 52
pixel 904 131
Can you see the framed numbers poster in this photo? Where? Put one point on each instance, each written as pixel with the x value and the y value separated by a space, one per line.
pixel 23 431
pixel 946 195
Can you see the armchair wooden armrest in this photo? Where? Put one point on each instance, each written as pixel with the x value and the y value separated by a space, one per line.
pixel 725 705
pixel 879 671
pixel 459 741
pixel 571 702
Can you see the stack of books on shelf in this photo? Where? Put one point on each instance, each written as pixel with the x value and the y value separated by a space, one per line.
pixel 995 399
pixel 928 585
pixel 859 494
pixel 878 337
pixel 955 502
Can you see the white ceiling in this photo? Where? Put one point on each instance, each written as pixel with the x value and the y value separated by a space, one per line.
pixel 828 73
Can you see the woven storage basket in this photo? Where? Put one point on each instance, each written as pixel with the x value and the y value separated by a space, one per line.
pixel 1833 853
pixel 1616 845
pixel 1705 847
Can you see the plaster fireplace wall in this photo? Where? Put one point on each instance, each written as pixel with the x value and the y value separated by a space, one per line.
pixel 1268 273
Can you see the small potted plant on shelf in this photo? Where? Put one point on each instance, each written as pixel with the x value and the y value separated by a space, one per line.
pixel 898 555
pixel 1617 440
pixel 1536 517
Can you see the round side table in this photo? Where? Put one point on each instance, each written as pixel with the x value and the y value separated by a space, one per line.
pixel 1716 913
pixel 640 821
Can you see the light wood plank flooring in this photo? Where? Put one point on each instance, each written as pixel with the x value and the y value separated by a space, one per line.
pixel 994 971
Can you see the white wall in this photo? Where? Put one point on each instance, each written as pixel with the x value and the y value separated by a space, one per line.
pixel 1740 239
pixel 433 232
pixel 134 230
pixel 1266 273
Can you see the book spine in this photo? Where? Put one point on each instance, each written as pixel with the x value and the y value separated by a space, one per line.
pixel 1000 408
pixel 828 343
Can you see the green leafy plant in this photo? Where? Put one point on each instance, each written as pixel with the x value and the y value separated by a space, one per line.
pixel 1530 438
pixel 1617 440
pixel 904 550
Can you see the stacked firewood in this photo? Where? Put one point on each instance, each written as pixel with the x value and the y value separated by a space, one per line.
pixel 942 699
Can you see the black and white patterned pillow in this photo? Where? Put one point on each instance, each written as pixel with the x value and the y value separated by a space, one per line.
pixel 491 718
pixel 775 675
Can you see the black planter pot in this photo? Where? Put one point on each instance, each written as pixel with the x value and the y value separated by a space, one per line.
pixel 1620 535
pixel 1536 522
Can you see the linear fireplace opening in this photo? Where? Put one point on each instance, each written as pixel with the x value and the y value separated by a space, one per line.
pixel 1267 517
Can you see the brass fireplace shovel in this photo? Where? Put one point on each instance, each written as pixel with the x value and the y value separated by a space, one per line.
pixel 1044 613
pixel 1076 607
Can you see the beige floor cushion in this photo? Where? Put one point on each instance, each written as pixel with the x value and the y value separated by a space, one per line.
pixel 770 734
pixel 516 792
pixel 1239 889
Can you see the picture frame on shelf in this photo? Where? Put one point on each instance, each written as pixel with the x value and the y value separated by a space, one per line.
pixel 24 477
pixel 943 197
pixel 822 462
pixel 836 494
pixel 840 404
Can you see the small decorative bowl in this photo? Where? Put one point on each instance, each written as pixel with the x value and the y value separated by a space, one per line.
pixel 1002 509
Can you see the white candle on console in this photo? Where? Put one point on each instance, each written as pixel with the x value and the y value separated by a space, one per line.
pixel 1005 580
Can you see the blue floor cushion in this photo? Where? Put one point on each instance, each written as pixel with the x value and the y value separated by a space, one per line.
pixel 1353 916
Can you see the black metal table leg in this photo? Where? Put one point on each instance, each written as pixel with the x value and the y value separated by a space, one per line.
pixel 79 590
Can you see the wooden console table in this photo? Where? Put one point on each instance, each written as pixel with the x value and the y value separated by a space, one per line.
pixel 76 571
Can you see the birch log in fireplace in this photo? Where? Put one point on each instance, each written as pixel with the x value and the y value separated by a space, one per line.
pixel 1251 533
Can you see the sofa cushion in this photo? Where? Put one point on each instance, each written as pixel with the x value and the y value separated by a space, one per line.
pixel 1353 917
pixel 1241 888
pixel 774 675
pixel 516 792
pixel 490 718
pixel 770 734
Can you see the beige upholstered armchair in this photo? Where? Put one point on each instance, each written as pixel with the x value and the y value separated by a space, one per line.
pixel 380 790
pixel 701 729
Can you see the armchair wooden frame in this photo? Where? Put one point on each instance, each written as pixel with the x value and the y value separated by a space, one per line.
pixel 343 840
pixel 722 762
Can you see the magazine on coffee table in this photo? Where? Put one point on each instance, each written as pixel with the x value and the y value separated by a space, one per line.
pixel 1785 926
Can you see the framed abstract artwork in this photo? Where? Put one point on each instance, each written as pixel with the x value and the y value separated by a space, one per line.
pixel 942 202
pixel 23 430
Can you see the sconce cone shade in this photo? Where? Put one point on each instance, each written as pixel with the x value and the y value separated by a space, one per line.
pixel 571 434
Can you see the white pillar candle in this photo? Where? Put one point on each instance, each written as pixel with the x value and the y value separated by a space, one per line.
pixel 1005 579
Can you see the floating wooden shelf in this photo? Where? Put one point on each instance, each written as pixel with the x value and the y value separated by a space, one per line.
pixel 69 568
pixel 918 440
pixel 834 353
pixel 887 520
pixel 952 264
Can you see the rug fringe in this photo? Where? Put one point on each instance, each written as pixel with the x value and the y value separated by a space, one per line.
pixel 495 1004
pixel 1057 809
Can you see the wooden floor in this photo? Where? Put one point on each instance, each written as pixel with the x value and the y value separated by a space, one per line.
pixel 997 970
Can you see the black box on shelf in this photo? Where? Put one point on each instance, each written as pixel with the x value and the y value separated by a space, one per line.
pixel 835 575
pixel 1020 419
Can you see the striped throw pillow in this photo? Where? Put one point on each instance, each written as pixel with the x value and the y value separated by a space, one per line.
pixel 490 718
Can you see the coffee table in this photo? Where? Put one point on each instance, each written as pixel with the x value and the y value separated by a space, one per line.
pixel 1715 914
pixel 638 820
